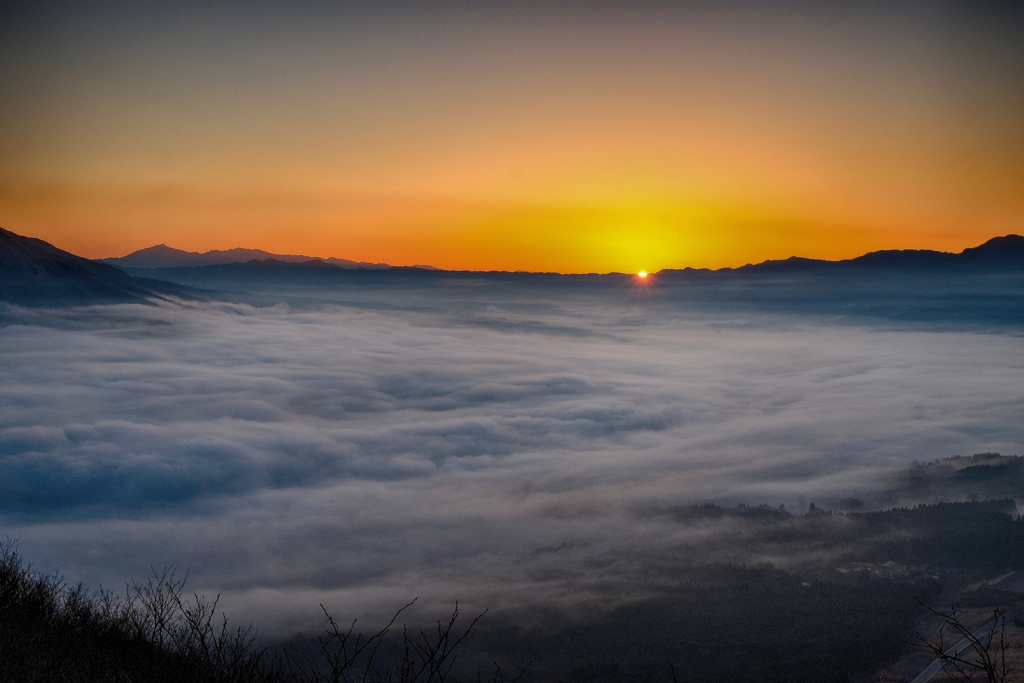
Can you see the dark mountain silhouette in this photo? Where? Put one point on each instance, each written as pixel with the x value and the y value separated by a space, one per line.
pixel 267 275
pixel 1000 254
pixel 36 273
pixel 983 284
pixel 997 254
pixel 162 256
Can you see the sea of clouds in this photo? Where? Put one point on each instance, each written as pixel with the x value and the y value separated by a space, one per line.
pixel 498 453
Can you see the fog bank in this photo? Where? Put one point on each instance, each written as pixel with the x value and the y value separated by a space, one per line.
pixel 295 455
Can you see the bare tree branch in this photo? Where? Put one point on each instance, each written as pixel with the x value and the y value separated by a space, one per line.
pixel 973 652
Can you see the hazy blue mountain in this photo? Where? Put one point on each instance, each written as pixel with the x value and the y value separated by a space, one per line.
pixel 1000 254
pixel 162 256
pixel 36 273
pixel 997 254
pixel 983 285
pixel 271 275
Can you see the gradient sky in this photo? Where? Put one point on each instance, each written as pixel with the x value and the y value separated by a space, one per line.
pixel 543 136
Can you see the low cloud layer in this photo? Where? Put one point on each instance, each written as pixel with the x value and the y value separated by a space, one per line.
pixel 495 454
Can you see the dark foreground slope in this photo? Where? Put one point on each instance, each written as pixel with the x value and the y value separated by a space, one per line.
pixel 36 273
pixel 50 631
pixel 833 621
pixel 840 603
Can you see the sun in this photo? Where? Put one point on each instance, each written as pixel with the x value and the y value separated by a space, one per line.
pixel 642 275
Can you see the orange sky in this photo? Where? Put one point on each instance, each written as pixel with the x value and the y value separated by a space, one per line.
pixel 515 136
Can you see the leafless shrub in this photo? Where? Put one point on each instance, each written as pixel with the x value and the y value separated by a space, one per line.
pixel 52 631
pixel 156 632
pixel 346 656
pixel 969 653
pixel 159 611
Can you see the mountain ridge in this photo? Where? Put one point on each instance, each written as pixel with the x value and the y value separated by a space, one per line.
pixel 163 256
pixel 1001 253
pixel 36 273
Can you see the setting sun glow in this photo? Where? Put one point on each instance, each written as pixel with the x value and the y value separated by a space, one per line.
pixel 504 138
pixel 642 275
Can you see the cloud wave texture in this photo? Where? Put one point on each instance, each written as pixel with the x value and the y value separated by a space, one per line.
pixel 291 456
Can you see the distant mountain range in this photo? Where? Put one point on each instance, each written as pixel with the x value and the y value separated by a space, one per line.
pixel 997 254
pixel 162 256
pixel 35 273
